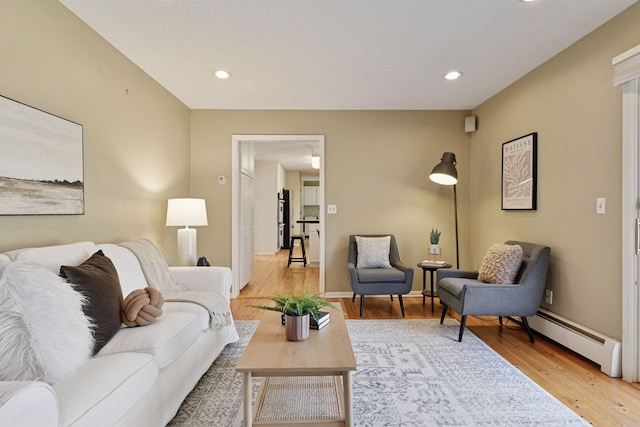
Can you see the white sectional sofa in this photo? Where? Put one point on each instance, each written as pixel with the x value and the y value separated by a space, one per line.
pixel 142 375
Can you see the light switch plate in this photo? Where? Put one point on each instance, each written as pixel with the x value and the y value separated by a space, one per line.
pixel 601 205
pixel 332 209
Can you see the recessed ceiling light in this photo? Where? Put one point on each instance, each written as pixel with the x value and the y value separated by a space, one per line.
pixel 452 75
pixel 221 74
pixel 527 1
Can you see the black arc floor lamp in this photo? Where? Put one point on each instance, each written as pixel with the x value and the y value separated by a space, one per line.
pixel 445 173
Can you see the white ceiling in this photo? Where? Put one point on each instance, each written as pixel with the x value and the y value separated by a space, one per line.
pixel 340 54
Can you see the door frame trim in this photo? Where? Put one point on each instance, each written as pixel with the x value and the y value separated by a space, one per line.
pixel 235 200
pixel 627 74
pixel 629 214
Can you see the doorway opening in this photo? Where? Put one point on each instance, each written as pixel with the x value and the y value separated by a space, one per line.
pixel 245 189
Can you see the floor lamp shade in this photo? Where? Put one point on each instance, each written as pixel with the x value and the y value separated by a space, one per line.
pixel 445 173
pixel 187 212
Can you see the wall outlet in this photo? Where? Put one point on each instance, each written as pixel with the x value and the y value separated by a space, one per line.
pixel 332 209
pixel 548 296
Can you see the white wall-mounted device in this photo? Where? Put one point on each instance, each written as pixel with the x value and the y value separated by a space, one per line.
pixel 470 124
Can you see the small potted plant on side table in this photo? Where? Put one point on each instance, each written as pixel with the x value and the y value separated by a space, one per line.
pixel 434 238
pixel 297 310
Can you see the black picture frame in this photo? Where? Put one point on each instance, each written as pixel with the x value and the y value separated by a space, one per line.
pixel 42 162
pixel 520 173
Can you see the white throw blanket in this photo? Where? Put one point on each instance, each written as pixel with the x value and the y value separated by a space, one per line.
pixel 157 273
pixel 213 302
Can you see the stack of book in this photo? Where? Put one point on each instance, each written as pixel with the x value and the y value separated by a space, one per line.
pixel 433 263
pixel 323 320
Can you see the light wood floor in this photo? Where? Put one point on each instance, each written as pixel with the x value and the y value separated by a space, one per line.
pixel 578 383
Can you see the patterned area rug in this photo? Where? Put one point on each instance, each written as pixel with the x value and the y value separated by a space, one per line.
pixel 410 373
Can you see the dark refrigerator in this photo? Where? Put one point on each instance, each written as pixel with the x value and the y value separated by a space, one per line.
pixel 285 206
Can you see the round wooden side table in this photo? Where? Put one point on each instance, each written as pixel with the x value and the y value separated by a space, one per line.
pixel 429 292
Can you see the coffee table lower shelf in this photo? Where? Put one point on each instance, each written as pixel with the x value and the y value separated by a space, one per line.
pixel 305 400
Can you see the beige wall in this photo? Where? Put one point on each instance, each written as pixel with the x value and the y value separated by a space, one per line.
pixel 376 170
pixel 137 153
pixel 571 103
pixel 136 144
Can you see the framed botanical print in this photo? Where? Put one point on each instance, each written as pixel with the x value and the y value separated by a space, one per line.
pixel 519 173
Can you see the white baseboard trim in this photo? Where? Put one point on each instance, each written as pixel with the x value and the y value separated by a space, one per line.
pixel 599 348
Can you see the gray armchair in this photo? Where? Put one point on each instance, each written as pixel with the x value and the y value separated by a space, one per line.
pixel 461 291
pixel 396 280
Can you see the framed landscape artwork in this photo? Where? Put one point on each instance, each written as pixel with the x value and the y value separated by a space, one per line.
pixel 41 162
pixel 519 173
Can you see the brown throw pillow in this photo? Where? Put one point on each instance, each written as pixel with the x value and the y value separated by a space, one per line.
pixel 501 264
pixel 97 279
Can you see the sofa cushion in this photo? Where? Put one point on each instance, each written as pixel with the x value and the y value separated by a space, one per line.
pixel 44 333
pixel 373 252
pixel 166 338
pixel 97 279
pixel 376 275
pixel 500 264
pixel 28 403
pixel 105 388
pixel 188 307
pixel 128 267
pixel 52 257
pixel 455 285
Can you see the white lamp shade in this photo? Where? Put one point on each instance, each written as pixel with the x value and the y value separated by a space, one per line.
pixel 315 162
pixel 186 212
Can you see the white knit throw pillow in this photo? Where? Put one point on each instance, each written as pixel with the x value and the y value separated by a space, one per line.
pixel 501 264
pixel 373 252
pixel 44 335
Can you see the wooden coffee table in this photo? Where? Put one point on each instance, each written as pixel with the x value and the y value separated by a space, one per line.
pixel 327 352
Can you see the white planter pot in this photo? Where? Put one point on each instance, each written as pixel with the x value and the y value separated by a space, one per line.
pixel 434 249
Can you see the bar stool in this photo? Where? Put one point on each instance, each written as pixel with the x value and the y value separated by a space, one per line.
pixel 304 253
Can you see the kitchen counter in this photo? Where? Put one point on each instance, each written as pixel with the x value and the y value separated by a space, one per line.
pixel 314 238
pixel 304 223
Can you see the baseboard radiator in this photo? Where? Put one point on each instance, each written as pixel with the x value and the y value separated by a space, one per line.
pixel 601 349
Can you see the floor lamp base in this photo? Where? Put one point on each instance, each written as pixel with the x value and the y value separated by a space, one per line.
pixel 187 246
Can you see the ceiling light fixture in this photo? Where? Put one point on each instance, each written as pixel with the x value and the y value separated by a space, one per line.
pixel 452 75
pixel 221 74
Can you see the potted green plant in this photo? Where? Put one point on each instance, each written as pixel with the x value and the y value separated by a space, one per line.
pixel 297 310
pixel 434 238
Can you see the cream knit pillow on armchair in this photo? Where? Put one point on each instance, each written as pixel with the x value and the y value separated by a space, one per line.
pixel 501 264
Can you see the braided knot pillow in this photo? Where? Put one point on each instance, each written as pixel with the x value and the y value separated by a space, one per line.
pixel 142 306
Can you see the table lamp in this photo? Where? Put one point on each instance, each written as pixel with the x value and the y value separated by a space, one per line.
pixel 186 212
pixel 445 173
